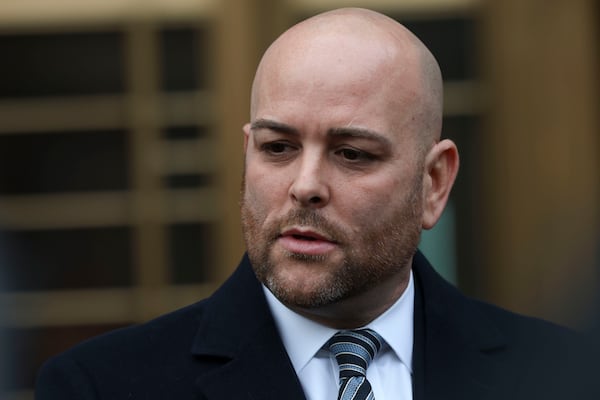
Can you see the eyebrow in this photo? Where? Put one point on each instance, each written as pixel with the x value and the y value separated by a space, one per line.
pixel 273 126
pixel 360 133
pixel 351 132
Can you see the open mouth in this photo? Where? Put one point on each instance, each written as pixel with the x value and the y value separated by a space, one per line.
pixel 306 235
pixel 306 241
pixel 308 238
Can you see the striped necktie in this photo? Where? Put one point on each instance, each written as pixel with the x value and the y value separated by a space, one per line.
pixel 354 350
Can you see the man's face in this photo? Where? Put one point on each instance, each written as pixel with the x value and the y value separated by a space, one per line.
pixel 332 197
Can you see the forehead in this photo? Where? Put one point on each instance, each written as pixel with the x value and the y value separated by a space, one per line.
pixel 333 60
pixel 336 80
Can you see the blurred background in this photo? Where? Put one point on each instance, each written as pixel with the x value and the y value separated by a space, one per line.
pixel 121 157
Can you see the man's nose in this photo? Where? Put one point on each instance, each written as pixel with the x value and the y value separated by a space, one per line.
pixel 310 187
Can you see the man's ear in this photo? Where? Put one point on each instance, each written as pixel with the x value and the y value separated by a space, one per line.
pixel 441 167
pixel 246 130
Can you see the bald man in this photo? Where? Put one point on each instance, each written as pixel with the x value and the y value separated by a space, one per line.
pixel 344 166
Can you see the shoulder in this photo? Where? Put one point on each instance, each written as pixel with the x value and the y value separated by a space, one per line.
pixel 551 359
pixel 159 359
pixel 175 329
pixel 537 356
pixel 447 303
pixel 531 334
pixel 127 359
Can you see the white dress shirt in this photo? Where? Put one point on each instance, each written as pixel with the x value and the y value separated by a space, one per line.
pixel 390 373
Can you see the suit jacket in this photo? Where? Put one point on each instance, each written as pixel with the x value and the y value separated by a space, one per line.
pixel 227 347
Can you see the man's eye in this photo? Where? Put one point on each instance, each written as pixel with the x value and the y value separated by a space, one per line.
pixel 276 147
pixel 350 154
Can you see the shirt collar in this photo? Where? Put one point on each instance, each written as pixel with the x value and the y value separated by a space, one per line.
pixel 303 338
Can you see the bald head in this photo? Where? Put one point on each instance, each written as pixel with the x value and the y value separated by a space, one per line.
pixel 361 47
pixel 343 145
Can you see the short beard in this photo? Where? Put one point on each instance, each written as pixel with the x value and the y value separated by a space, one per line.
pixel 383 251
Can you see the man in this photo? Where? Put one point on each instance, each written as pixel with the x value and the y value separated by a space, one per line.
pixel 344 166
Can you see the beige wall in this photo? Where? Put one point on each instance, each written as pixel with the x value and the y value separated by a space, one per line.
pixel 541 157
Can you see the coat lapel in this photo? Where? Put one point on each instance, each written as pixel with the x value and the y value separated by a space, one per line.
pixel 256 372
pixel 457 347
pixel 239 344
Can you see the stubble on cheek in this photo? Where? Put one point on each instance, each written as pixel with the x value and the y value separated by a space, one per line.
pixel 379 251
pixel 300 280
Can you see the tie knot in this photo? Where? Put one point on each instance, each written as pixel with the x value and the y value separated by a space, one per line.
pixel 354 350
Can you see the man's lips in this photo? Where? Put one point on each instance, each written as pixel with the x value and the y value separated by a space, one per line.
pixel 307 234
pixel 306 241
